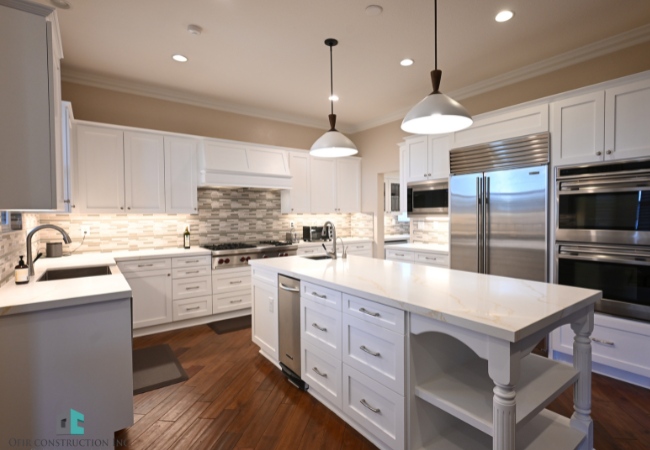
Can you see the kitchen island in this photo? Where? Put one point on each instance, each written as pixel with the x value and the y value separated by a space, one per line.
pixel 425 357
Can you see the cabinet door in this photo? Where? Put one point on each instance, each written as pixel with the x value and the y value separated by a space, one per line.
pixel 63 160
pixel 100 169
pixel 322 185
pixel 439 147
pixel 181 173
pixel 403 168
pixel 152 297
pixel 144 172
pixel 417 168
pixel 265 319
pixel 627 115
pixel 297 199
pixel 348 185
pixel 578 129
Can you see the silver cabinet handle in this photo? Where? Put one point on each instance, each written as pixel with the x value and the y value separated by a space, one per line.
pixel 193 261
pixel 315 325
pixel 598 153
pixel 365 403
pixel 236 282
pixel 145 265
pixel 399 254
pixel 316 294
pixel 289 288
pixel 193 309
pixel 370 313
pixel 192 271
pixel 191 288
pixel 601 341
pixel 308 251
pixel 609 152
pixel 359 246
pixel 236 301
pixel 318 372
pixel 370 352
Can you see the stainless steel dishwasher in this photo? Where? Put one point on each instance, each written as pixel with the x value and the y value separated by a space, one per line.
pixel 289 329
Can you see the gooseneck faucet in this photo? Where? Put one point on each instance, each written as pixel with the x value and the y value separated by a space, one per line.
pixel 331 254
pixel 66 239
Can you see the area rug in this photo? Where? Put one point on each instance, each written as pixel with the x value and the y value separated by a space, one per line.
pixel 155 367
pixel 229 325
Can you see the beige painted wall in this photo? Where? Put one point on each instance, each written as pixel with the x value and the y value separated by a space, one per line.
pixel 378 146
pixel 106 106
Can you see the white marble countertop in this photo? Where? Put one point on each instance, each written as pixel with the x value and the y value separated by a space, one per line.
pixel 505 308
pixel 43 295
pixel 396 237
pixel 427 248
pixel 346 240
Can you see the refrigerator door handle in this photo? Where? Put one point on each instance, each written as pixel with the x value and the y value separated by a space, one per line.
pixel 486 226
pixel 479 242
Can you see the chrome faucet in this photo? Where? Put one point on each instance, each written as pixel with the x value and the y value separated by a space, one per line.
pixel 66 239
pixel 331 254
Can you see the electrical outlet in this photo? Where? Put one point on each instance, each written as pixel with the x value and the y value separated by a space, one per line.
pixel 85 230
pixel 291 224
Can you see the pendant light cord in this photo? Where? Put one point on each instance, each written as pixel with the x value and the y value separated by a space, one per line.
pixel 435 30
pixel 331 81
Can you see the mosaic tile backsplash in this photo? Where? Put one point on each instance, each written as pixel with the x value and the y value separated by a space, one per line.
pixel 12 245
pixel 392 226
pixel 431 231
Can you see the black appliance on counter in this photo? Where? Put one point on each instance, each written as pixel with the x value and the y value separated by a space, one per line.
pixel 316 234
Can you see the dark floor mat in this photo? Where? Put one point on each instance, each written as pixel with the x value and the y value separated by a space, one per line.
pixel 155 367
pixel 228 325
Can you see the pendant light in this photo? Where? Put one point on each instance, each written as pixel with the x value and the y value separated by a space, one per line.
pixel 332 144
pixel 436 113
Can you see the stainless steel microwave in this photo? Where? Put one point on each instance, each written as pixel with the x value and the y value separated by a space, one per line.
pixel 428 197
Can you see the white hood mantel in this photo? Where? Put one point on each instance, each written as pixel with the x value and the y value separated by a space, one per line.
pixel 237 164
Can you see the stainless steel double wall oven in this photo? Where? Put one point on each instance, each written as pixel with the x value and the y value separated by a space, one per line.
pixel 603 233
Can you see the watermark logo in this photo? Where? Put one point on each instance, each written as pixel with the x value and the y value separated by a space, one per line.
pixel 69 423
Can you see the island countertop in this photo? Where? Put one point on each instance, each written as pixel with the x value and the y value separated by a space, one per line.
pixel 505 308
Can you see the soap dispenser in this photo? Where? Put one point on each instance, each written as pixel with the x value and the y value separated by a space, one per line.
pixel 21 274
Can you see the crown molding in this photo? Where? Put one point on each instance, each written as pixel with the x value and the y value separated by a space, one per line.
pixel 33 8
pixel 603 47
pixel 590 51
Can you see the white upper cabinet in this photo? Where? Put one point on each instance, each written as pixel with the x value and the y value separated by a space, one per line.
pixel 297 199
pixel 335 185
pixel 427 157
pixel 578 129
pixel 144 172
pixel 439 147
pixel 30 101
pixel 627 121
pixel 181 173
pixel 99 170
pixel 348 185
pixel 417 168
pixel 403 188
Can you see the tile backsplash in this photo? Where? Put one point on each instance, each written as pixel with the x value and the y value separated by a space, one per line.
pixel 12 244
pixel 392 226
pixel 434 230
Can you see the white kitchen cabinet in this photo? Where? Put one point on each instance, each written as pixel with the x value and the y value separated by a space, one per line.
pixel 30 100
pixel 335 185
pixel 151 283
pixel 181 172
pixel 602 125
pixel 297 199
pixel 359 249
pixel 231 289
pixel 99 169
pixel 64 171
pixel 144 172
pixel 403 187
pixel 437 259
pixel 265 315
pixel 427 158
pixel 399 255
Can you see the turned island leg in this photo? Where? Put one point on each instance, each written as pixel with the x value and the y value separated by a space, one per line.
pixel 503 368
pixel 581 418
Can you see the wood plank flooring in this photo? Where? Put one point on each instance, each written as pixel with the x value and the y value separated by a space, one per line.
pixel 236 399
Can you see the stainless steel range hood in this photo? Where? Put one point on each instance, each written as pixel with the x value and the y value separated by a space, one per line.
pixel 235 164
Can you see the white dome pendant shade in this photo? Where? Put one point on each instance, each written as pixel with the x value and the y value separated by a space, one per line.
pixel 436 113
pixel 332 144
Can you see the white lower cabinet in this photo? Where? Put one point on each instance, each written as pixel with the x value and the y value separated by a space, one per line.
pixel 424 258
pixel 231 289
pixel 192 307
pixel 151 286
pixel 265 315
pixel 321 327
pixel 322 372
pixel 399 255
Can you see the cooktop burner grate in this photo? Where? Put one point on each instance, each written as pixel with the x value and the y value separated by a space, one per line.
pixel 275 243
pixel 229 246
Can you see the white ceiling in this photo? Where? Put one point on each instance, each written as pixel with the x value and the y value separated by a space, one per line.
pixel 268 58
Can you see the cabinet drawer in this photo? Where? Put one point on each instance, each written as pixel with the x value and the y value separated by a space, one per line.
pixel 373 312
pixel 323 373
pixel 310 250
pixel 432 259
pixel 194 307
pixel 375 407
pixel 191 287
pixel 321 327
pixel 144 264
pixel 189 272
pixel 236 280
pixel 231 301
pixel 191 261
pixel 374 351
pixel 322 295
pixel 399 255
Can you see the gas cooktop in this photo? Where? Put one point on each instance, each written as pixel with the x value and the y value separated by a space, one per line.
pixel 226 248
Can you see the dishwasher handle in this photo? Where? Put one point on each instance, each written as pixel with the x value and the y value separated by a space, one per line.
pixel 289 288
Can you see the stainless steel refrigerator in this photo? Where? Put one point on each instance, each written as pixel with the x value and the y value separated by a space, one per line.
pixel 498 204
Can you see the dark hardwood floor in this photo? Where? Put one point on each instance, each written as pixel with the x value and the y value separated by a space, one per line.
pixel 235 398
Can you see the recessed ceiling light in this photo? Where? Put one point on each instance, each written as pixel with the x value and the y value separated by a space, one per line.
pixel 406 62
pixel 504 16
pixel 179 58
pixel 374 10
pixel 62 4
pixel 194 29
pixel 333 98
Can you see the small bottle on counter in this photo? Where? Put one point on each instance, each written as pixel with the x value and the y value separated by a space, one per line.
pixel 21 274
pixel 186 238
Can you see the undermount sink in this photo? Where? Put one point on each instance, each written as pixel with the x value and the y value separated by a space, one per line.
pixel 318 257
pixel 78 272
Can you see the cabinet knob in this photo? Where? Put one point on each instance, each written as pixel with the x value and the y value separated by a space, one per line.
pixel 598 153
pixel 128 207
pixel 121 207
pixel 609 152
